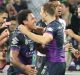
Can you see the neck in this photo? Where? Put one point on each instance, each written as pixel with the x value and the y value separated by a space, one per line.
pixel 27 27
pixel 50 19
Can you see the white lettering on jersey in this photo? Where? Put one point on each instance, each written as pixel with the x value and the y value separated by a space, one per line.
pixel 15 40
pixel 49 29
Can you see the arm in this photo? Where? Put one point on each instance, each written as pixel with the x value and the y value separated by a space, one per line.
pixel 14 60
pixel 72 34
pixel 76 37
pixel 42 39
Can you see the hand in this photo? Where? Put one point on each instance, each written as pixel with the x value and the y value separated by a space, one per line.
pixel 39 30
pixel 23 29
pixel 77 54
pixel 30 71
pixel 5 33
pixel 68 46
pixel 69 32
pixel 74 51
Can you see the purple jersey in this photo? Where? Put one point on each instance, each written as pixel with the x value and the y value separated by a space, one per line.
pixel 23 45
pixel 55 51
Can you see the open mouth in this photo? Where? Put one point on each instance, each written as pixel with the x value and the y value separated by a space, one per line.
pixel 59 11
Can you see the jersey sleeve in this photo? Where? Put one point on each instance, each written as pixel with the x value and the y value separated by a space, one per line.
pixel 53 28
pixel 50 30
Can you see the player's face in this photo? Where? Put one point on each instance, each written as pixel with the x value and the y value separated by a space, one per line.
pixel 31 20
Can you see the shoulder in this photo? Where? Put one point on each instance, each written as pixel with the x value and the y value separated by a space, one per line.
pixel 17 38
pixel 55 24
pixel 18 34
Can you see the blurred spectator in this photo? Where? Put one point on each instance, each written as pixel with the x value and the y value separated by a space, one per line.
pixel 11 11
pixel 20 5
pixel 3 39
pixel 5 30
pixel 73 20
pixel 4 25
pixel 76 29
pixel 13 8
pixel 66 15
pixel 73 10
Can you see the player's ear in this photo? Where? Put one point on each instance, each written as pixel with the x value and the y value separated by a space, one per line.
pixel 25 22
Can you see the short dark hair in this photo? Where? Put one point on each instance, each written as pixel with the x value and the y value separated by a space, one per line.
pixel 49 8
pixel 22 15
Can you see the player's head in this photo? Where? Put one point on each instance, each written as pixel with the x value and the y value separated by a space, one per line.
pixel 27 18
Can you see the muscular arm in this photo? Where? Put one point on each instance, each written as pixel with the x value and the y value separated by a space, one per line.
pixel 42 39
pixel 15 60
